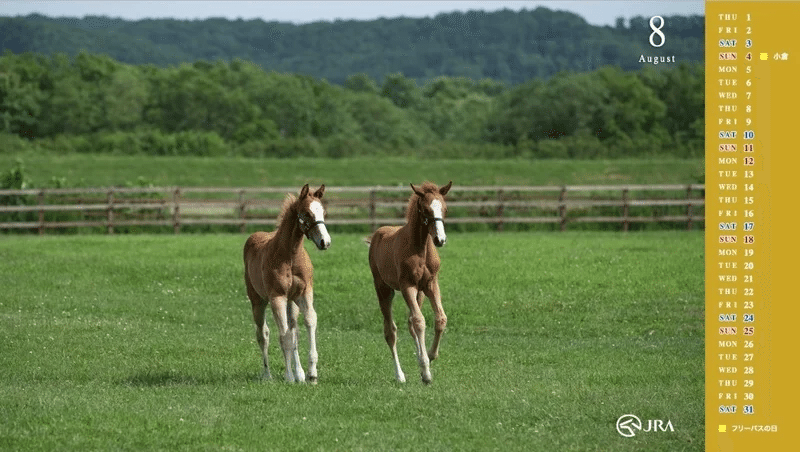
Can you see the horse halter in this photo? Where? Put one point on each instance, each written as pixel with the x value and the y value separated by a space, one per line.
pixel 426 219
pixel 306 225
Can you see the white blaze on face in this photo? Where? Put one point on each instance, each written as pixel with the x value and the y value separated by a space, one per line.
pixel 319 234
pixel 436 206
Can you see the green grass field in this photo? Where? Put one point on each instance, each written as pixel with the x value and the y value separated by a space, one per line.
pixel 110 170
pixel 145 342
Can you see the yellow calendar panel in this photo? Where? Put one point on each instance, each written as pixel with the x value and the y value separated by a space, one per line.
pixel 751 173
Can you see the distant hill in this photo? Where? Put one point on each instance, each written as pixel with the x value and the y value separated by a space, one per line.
pixel 504 45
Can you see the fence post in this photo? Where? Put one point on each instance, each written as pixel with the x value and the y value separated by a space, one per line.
pixel 176 212
pixel 500 208
pixel 110 212
pixel 372 201
pixel 562 207
pixel 625 209
pixel 41 212
pixel 689 207
pixel 242 208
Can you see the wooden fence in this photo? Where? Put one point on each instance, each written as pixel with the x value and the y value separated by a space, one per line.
pixel 112 209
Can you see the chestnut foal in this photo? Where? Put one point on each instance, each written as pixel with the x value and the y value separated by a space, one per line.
pixel 404 258
pixel 278 272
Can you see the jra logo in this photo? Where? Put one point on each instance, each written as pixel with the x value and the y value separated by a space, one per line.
pixel 629 424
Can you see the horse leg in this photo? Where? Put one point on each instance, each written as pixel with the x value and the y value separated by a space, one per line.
pixel 385 296
pixel 279 307
pixel 292 312
pixel 262 330
pixel 306 303
pixel 420 298
pixel 441 319
pixel 416 326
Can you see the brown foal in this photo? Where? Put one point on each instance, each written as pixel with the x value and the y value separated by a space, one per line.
pixel 404 258
pixel 278 273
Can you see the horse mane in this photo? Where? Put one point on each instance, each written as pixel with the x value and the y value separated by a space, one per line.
pixel 411 209
pixel 285 218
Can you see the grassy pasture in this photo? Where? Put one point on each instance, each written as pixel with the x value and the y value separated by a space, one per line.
pixel 114 170
pixel 146 343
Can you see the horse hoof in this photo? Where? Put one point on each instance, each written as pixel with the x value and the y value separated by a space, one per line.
pixel 312 380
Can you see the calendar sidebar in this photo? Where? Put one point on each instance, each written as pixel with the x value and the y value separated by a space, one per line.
pixel 752 244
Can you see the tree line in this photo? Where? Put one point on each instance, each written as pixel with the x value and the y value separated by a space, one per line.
pixel 510 46
pixel 93 103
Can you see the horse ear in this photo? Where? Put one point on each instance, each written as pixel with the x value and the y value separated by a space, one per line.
pixel 320 191
pixel 304 191
pixel 443 191
pixel 419 193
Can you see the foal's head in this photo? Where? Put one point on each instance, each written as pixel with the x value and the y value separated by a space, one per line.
pixel 311 216
pixel 430 207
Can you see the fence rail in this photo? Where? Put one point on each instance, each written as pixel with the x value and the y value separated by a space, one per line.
pixel 177 207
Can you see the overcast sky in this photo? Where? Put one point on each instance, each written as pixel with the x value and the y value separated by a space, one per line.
pixel 298 12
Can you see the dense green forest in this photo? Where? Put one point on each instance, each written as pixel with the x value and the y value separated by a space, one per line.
pixel 530 84
pixel 92 103
pixel 505 45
